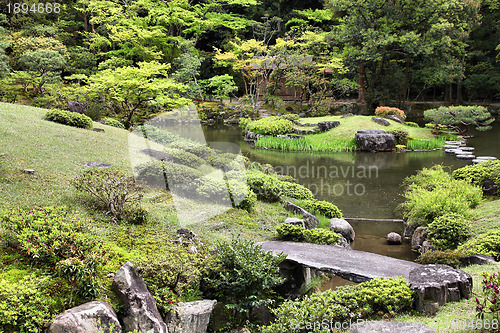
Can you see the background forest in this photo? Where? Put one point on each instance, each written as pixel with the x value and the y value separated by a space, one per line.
pixel 133 58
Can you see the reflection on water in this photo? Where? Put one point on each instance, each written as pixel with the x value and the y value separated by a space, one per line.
pixel 365 185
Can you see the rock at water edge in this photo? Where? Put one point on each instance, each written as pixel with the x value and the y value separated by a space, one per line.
pixel 375 140
pixel 342 227
pixel 92 317
pixel 393 238
pixel 141 313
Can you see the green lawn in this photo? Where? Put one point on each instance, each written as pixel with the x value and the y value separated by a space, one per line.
pixel 487 217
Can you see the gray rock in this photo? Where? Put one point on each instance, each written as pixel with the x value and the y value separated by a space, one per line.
pixel 76 107
pixel 327 125
pixel 393 238
pixel 389 327
pixel 92 317
pixel 490 187
pixel 99 130
pixel 140 308
pixel 453 151
pixel 480 159
pixel 302 115
pixel 29 171
pixel 295 221
pixel 477 259
pixel 455 143
pixel 190 317
pixel 396 118
pixel 156 154
pixel 97 165
pixel 343 242
pixel 451 146
pixel 381 121
pixel 346 115
pixel 375 140
pixel 418 238
pixel 310 221
pixel 342 227
pixel 427 245
pixel 186 233
pixel 439 284
pixel 253 136
pixel 465 156
pixel 469 149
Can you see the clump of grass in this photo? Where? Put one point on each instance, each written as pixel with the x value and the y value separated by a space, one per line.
pixel 426 144
pixel 308 144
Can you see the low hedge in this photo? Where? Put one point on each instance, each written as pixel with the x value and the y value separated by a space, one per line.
pixel 113 122
pixel 297 233
pixel 449 231
pixel 69 118
pixel 271 126
pixel 324 208
pixel 476 174
pixel 488 244
pixel 269 188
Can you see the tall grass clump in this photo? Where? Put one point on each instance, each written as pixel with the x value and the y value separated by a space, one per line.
pixel 426 144
pixel 307 144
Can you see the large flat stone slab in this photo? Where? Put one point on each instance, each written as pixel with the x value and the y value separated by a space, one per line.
pixel 352 265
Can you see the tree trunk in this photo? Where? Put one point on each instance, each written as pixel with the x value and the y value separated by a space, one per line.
pixel 361 81
pixel 85 23
pixel 460 97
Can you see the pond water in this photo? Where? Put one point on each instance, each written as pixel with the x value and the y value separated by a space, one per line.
pixel 362 185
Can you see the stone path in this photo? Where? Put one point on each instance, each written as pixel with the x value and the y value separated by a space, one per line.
pixel 356 266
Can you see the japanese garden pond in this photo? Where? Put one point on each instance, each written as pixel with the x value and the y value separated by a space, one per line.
pixel 361 184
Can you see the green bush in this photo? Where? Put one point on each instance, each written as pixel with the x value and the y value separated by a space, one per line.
pixel 244 122
pixel 448 231
pixel 110 188
pixel 433 193
pixel 323 207
pixel 271 126
pixel 249 202
pixel 270 189
pixel 476 174
pixel 191 147
pixel 47 235
pixel 153 174
pixel 487 243
pixel 213 189
pixel 297 233
pixel 446 257
pixel 314 313
pixel 69 118
pixel 412 124
pixel 292 117
pixel 455 116
pixel 113 122
pixel 173 275
pixel 245 275
pixel 400 135
pixel 27 306
pixel 186 158
pixel 295 191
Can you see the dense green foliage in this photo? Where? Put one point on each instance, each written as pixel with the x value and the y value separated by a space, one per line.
pixel 432 193
pixel 324 208
pixel 449 231
pixel 477 174
pixel 457 116
pixel 270 188
pixel 320 311
pixel 446 257
pixel 401 136
pixel 69 118
pixel 297 233
pixel 308 144
pixel 244 275
pixel 113 122
pixel 270 126
pixel 426 144
pixel 487 243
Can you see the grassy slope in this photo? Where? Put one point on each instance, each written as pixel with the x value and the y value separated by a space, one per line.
pixel 488 217
pixel 350 125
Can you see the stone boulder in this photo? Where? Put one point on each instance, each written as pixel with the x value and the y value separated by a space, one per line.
pixel 327 125
pixel 418 238
pixel 375 140
pixel 140 309
pixel 190 317
pixel 97 165
pixel 389 327
pixel 342 227
pixel 393 238
pixel 490 187
pixel 395 118
pixel 295 221
pixel 92 317
pixel 76 107
pixel 381 121
pixel 253 136
pixel 156 154
pixel 99 130
pixel 310 221
pixel 477 259
pixel 346 115
pixel 439 284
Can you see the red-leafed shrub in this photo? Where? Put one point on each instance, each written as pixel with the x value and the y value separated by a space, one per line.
pixel 383 111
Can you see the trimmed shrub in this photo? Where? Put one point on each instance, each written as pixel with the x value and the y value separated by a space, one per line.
pixel 161 174
pixel 295 190
pixel 185 158
pixel 27 306
pixel 69 118
pixel 314 313
pixel 212 189
pixel 113 122
pixel 191 147
pixel 324 208
pixel 412 124
pixel 271 126
pixel 456 116
pixel 292 117
pixel 446 257
pixel 488 243
pixel 110 188
pixel 433 192
pixel 269 188
pixel 476 174
pixel 401 136
pixel 383 111
pixel 448 231
pixel 244 122
pixel 297 233
pixel 249 202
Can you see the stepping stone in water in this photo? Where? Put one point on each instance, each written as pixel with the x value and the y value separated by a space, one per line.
pixel 466 157
pixel 450 151
pixel 451 146
pixel 455 143
pixel 467 148
pixel 484 158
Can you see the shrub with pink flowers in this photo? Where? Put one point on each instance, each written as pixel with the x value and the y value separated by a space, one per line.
pixel 489 301
pixel 383 111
